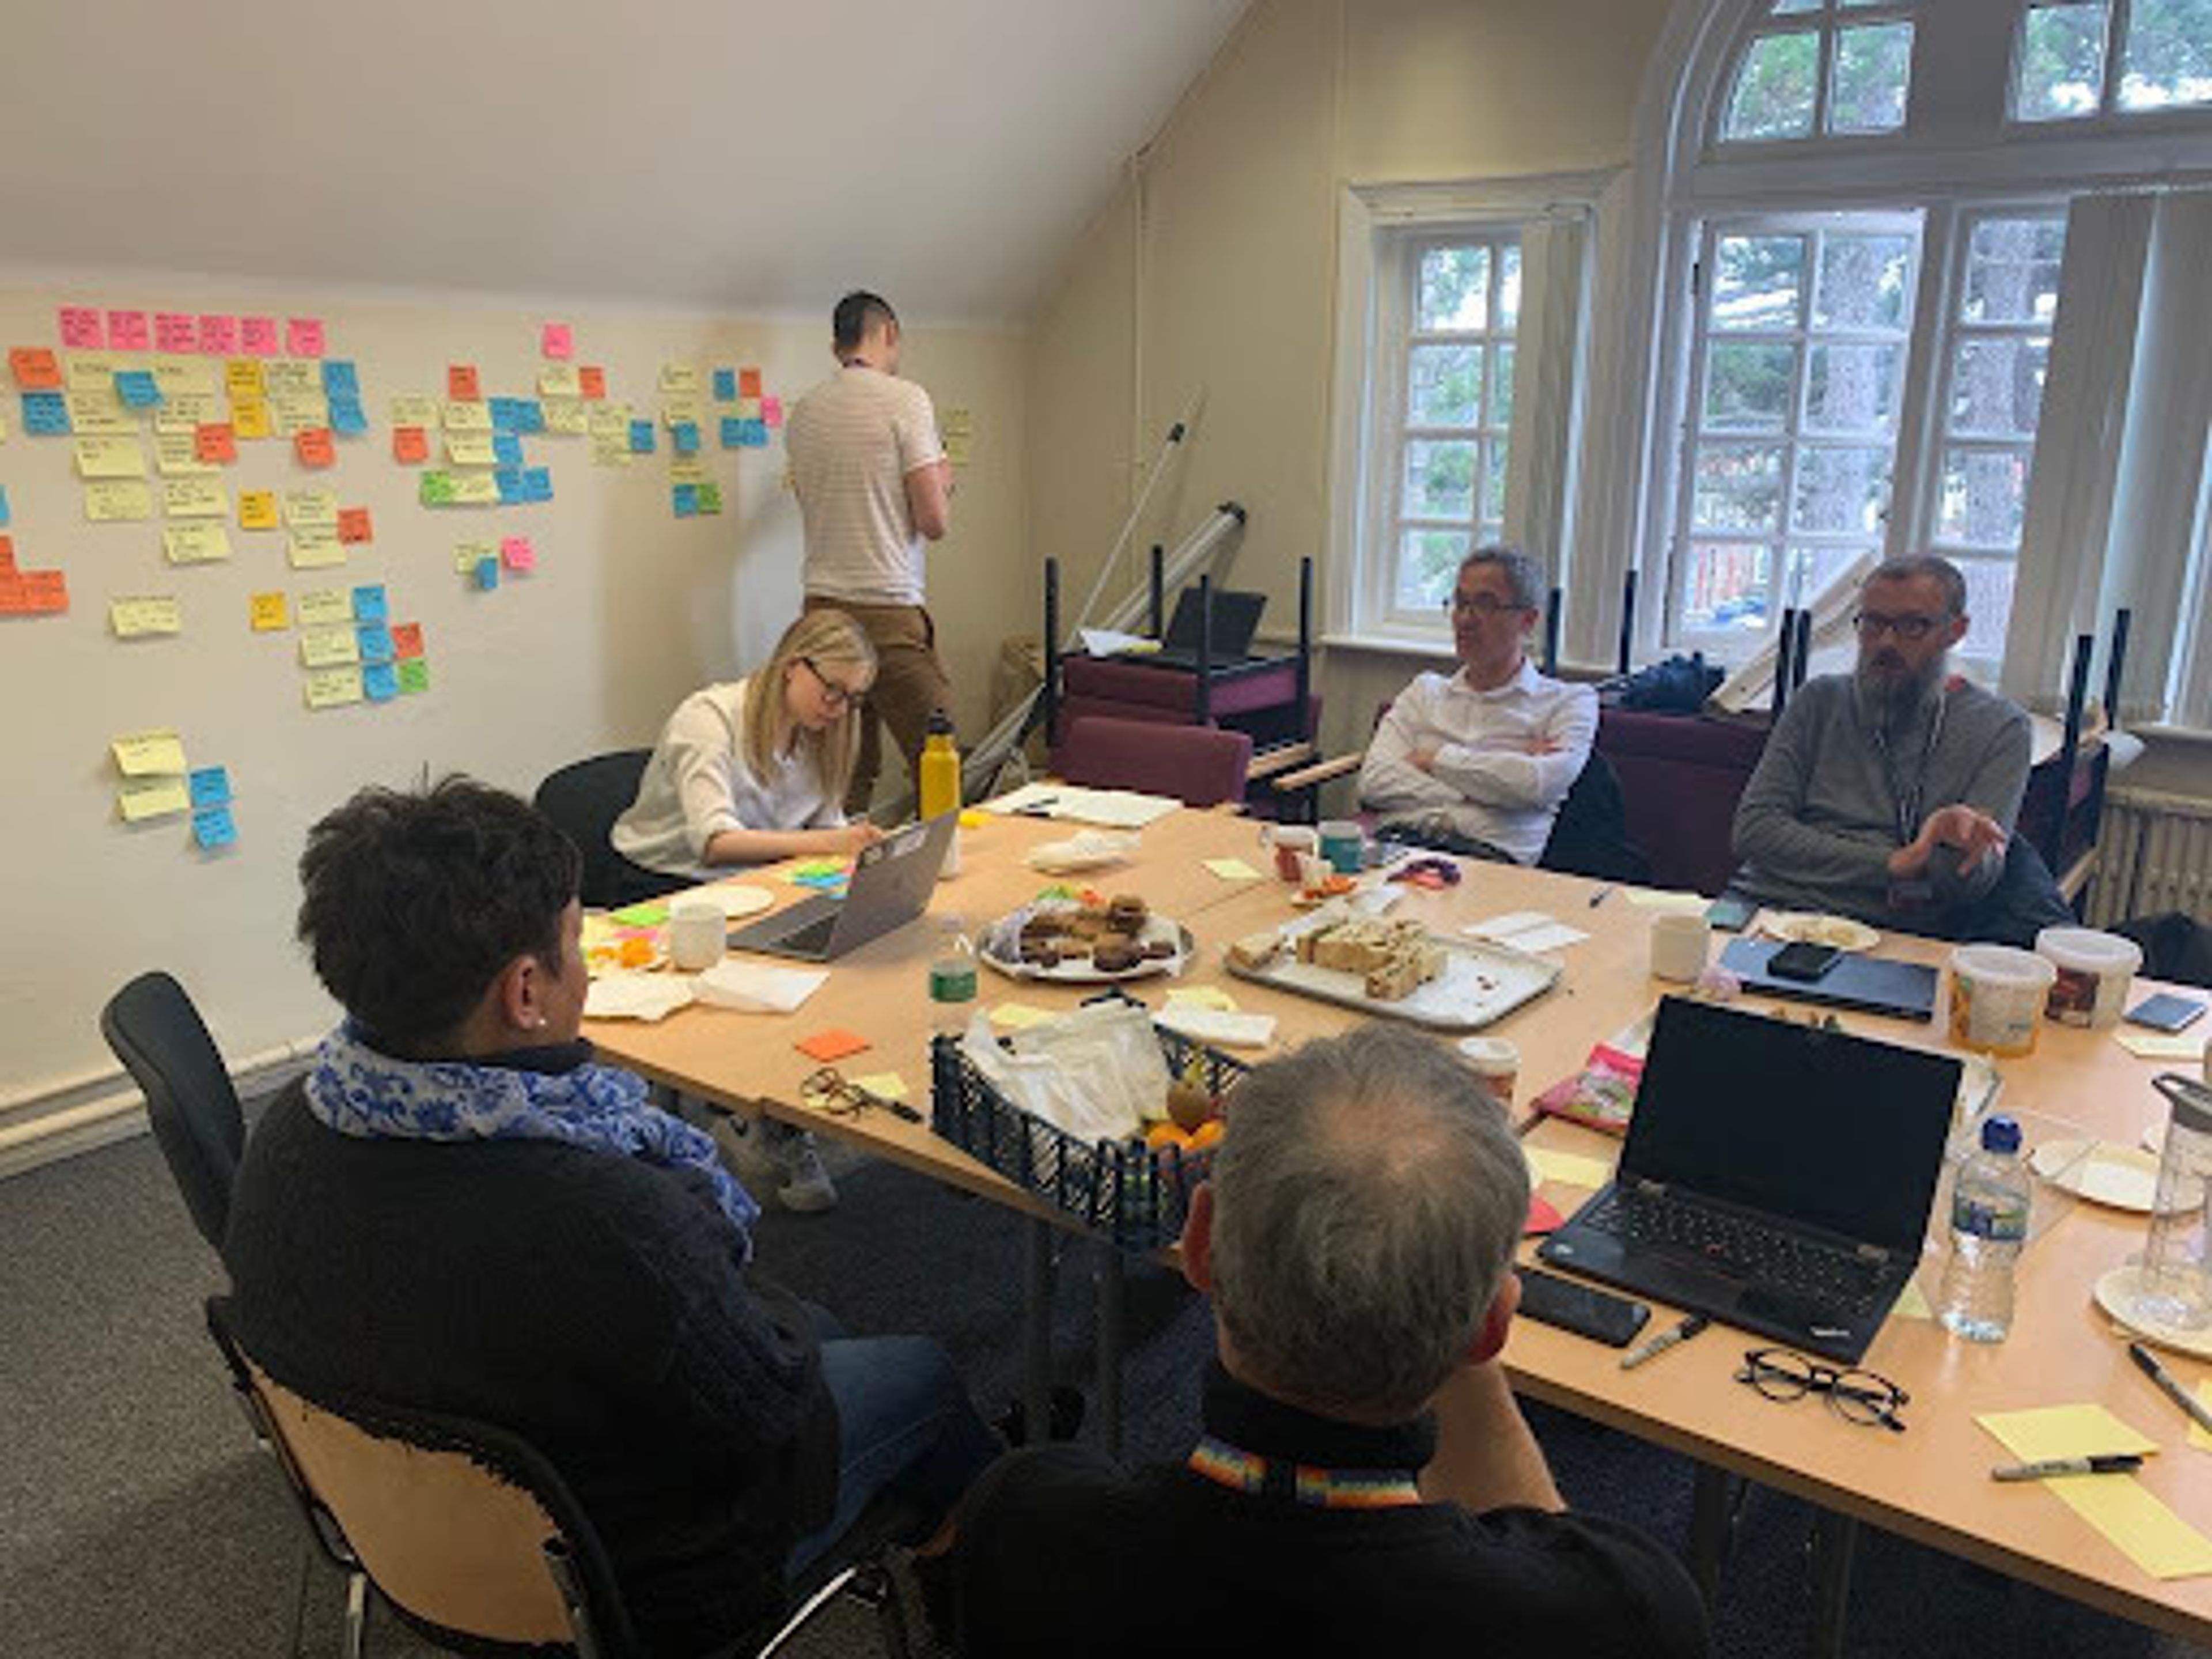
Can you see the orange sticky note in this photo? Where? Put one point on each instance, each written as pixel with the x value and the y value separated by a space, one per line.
pixel 406 640
pixel 353 524
pixel 313 445
pixel 829 1047
pixel 46 593
pixel 409 444
pixel 748 383
pixel 34 369
pixel 215 442
pixel 461 383
pixel 559 342
pixel 593 381
pixel 7 556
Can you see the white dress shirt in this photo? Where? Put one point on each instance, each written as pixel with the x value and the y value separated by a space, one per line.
pixel 1484 779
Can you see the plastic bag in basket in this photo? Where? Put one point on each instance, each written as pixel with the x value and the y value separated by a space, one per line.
pixel 1094 1073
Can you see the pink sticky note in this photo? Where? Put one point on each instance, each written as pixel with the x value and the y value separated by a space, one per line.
pixel 127 330
pixel 559 342
pixel 175 331
pixel 81 328
pixel 303 336
pixel 772 411
pixel 257 336
pixel 218 335
pixel 516 553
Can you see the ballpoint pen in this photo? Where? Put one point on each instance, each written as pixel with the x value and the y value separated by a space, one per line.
pixel 2147 1361
pixel 1652 1347
pixel 1599 896
pixel 2046 1468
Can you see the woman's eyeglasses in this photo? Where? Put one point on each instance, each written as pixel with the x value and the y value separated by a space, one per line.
pixel 828 1091
pixel 836 695
pixel 1855 1396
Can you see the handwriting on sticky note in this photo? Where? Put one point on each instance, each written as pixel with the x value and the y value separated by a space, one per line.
pixel 407 640
pixel 176 330
pixel 195 498
pixel 303 336
pixel 210 785
pixel 214 827
pixel 354 524
pixel 257 336
pixel 82 329
pixel 110 458
pixel 516 553
pixel 119 500
pixel 140 798
pixel 558 340
pixel 127 330
pixel 195 543
pixel 314 548
pixel 267 612
pixel 216 443
pixel 593 380
pixel 257 510
pixel 313 446
pixel 141 615
pixel 331 687
pixel 414 676
pixel 147 753
pixel 218 334
pixel 461 383
pixel 748 383
pixel 410 444
pixel 35 369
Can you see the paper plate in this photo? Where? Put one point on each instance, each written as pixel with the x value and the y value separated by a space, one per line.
pixel 1798 927
pixel 736 899
pixel 2105 1172
pixel 2112 1296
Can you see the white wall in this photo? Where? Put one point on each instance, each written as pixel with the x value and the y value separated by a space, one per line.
pixel 628 610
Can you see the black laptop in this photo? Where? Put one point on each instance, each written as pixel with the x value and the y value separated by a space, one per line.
pixel 1235 620
pixel 1871 985
pixel 1776 1177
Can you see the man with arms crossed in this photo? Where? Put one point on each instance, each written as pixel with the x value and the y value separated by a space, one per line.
pixel 1366 1483
pixel 873 487
pixel 1478 762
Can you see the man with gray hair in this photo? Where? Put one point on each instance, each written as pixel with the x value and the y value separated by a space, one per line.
pixel 1889 794
pixel 1478 761
pixel 1357 1240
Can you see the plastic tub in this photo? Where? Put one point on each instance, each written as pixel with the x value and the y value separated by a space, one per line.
pixel 1497 1062
pixel 1996 996
pixel 2095 973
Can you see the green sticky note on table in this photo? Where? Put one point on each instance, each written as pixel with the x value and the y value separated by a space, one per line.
pixel 651 914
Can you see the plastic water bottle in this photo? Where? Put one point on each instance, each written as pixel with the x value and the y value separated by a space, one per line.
pixel 1989 1225
pixel 952 979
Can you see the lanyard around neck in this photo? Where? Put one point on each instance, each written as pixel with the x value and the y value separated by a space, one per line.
pixel 1906 802
pixel 1303 1482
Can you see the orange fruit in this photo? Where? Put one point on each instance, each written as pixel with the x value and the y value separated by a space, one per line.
pixel 1207 1133
pixel 1165 1134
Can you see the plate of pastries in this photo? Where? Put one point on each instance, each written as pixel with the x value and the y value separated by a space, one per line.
pixel 1089 939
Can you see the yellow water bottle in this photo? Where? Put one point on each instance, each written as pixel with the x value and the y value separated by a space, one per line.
pixel 939 784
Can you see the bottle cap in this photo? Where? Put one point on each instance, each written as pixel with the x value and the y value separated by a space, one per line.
pixel 940 723
pixel 2000 1134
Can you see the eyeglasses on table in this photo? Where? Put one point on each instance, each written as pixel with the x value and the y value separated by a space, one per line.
pixel 1857 1397
pixel 830 1091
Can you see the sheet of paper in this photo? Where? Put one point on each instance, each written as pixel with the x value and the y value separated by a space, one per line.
pixel 267 613
pixel 146 754
pixel 1568 1169
pixel 647 997
pixel 1651 898
pixel 137 617
pixel 1213 1027
pixel 119 500
pixel 1527 930
pixel 2159 1045
pixel 140 798
pixel 331 687
pixel 195 543
pixel 756 987
pixel 2047 1431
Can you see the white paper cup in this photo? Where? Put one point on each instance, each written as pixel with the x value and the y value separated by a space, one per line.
pixel 1497 1062
pixel 2095 971
pixel 1680 944
pixel 1997 998
pixel 696 935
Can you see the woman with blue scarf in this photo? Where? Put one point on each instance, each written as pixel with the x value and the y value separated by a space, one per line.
pixel 457 1209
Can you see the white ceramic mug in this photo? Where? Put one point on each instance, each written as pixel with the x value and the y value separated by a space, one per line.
pixel 1680 943
pixel 696 935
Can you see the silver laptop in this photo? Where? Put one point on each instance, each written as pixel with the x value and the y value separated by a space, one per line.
pixel 891 883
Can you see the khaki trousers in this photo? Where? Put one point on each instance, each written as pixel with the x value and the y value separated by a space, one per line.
pixel 910 683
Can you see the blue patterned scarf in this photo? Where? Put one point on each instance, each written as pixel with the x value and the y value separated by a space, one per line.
pixel 361 1091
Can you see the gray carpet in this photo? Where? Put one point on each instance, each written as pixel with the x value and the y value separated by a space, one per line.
pixel 136 1518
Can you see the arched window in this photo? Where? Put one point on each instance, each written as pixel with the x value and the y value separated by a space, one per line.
pixel 1822 68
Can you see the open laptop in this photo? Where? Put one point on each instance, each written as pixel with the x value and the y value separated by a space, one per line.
pixel 891 883
pixel 1777 1176
pixel 1236 619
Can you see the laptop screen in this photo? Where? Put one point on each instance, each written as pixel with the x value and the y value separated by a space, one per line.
pixel 1842 1133
pixel 1236 619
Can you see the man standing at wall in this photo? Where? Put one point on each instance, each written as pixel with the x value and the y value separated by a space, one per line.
pixel 873 486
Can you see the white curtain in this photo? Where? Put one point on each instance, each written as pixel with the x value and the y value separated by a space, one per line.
pixel 1546 372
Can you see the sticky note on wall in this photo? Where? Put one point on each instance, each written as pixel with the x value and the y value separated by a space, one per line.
pixel 143 616
pixel 267 612
pixel 148 754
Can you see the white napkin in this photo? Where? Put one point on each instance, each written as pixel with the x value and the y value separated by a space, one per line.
pixel 637 996
pixel 755 988
pixel 1531 931
pixel 1211 1026
pixel 1084 850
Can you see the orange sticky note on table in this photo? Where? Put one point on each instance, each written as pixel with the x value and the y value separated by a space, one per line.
pixel 353 524
pixel 313 445
pixel 558 342
pixel 215 442
pixel 409 444
pixel 461 383
pixel 829 1047
pixel 34 369
pixel 748 383
pixel 593 381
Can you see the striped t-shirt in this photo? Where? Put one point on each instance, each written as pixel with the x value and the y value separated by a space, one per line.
pixel 851 442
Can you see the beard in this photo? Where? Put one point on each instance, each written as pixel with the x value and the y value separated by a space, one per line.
pixel 1890 690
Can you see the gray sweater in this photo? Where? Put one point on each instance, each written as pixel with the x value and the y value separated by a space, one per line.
pixel 1820 816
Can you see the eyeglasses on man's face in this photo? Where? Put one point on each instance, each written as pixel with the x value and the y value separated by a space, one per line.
pixel 1480 604
pixel 1872 625
pixel 1783 1374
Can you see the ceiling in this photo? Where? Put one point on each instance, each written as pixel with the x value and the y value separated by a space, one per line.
pixel 728 155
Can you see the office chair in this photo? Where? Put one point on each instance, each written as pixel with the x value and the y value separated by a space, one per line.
pixel 159 1036
pixel 585 798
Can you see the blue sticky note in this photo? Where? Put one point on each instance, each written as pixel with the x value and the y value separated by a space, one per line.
pixel 537 483
pixel 380 682
pixel 488 572
pixel 756 434
pixel 640 433
pixel 725 385
pixel 686 501
pixel 339 378
pixel 210 786
pixel 4 513
pixel 370 603
pixel 348 418
pixel 517 415
pixel 511 488
pixel 213 827
pixel 733 432
pixel 506 448
pixel 137 389
pixel 684 436
pixel 46 414
pixel 375 641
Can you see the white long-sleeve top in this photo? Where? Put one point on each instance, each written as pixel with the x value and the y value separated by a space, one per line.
pixel 1484 781
pixel 697 785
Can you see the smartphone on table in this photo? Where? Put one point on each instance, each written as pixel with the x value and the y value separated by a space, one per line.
pixel 2166 1011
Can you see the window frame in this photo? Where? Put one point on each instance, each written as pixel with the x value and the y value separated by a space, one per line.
pixel 1824 21
pixel 2108 119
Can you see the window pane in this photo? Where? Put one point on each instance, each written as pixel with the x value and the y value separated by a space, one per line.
pixel 1738 487
pixel 1493 480
pixel 2167 57
pixel 1852 388
pixel 1983 497
pixel 1773 94
pixel 2012 270
pixel 1726 586
pixel 1446 386
pixel 1455 288
pixel 1439 480
pixel 1996 387
pixel 1812 568
pixel 1501 388
pixel 2060 67
pixel 1989 605
pixel 1865 281
pixel 1508 287
pixel 1757 281
pixel 1841 490
pixel 1784 7
pixel 1427 561
pixel 1748 386
pixel 1873 65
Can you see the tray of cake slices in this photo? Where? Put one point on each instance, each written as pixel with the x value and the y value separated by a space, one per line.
pixel 1393 970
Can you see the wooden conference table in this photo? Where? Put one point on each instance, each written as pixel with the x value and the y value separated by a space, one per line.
pixel 1930 1484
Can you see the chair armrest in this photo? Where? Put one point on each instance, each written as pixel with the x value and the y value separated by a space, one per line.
pixel 1269 761
pixel 1305 777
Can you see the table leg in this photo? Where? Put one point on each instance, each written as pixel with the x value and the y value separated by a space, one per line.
pixel 1037 1329
pixel 1712 1530
pixel 1834 1538
pixel 1112 1313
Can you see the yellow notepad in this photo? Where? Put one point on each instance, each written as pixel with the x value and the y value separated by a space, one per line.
pixel 2119 1506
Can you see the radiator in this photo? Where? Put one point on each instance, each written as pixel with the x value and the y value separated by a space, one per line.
pixel 2154 855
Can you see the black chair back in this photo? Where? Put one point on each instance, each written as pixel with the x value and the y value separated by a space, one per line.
pixel 159 1036
pixel 585 798
pixel 1591 835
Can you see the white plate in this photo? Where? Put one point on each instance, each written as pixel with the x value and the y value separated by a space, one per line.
pixel 1079 970
pixel 736 899
pixel 2104 1172
pixel 1797 927
pixel 2112 1294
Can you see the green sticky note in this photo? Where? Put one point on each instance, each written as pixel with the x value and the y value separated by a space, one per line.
pixel 437 488
pixel 651 914
pixel 710 498
pixel 413 675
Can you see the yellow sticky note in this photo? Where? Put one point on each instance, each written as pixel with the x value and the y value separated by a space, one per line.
pixel 187 413
pixel 329 647
pixel 152 798
pixel 95 371
pixel 329 607
pixel 687 471
pixel 133 618
pixel 257 510
pixel 679 377
pixel 954 421
pixel 1568 1169
pixel 195 543
pixel 117 501
pixel 674 411
pixel 2197 1436
pixel 2152 1045
pixel 328 688
pixel 475 490
pixel 184 377
pixel 560 381
pixel 747 409
pixel 468 418
pixel 471 449
pixel 314 549
pixel 148 754
pixel 249 418
pixel 178 454
pixel 467 555
pixel 269 613
pixel 1019 1016
pixel 242 378
pixel 958 450
pixel 414 411
pixel 110 458
pixel 2048 1432
pixel 612 420
pixel 1203 996
pixel 291 377
pixel 2137 1520
pixel 1912 1304
pixel 1232 869
pixel 1651 898
pixel 889 1085
pixel 195 498
pixel 311 510
pixel 300 411
pixel 566 415
pixel 99 414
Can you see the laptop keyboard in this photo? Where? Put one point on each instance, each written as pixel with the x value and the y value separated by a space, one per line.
pixel 1738 1246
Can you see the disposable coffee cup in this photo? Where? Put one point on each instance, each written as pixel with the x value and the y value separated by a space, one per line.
pixel 1496 1061
pixel 696 935
pixel 1680 944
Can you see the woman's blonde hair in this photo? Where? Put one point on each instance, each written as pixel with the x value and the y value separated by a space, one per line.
pixel 829 640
